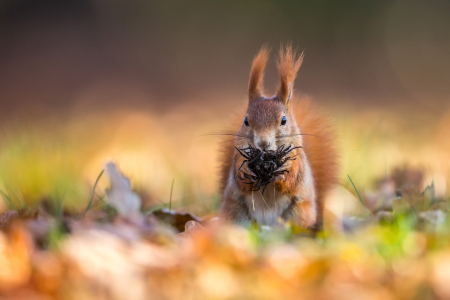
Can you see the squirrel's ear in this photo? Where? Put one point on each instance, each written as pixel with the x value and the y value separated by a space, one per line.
pixel 288 65
pixel 255 86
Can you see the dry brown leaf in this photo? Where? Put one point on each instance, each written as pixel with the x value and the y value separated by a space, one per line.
pixel 176 219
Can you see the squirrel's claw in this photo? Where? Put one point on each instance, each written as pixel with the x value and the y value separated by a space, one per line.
pixel 285 168
pixel 252 179
pixel 281 173
pixel 243 169
pixel 279 177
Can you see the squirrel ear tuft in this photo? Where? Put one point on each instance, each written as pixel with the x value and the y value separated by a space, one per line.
pixel 288 65
pixel 256 86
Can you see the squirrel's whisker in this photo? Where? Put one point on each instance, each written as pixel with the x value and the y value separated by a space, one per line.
pixel 292 135
pixel 226 134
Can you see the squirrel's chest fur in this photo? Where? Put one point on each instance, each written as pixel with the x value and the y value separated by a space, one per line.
pixel 268 207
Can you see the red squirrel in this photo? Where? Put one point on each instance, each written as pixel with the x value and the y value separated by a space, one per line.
pixel 270 122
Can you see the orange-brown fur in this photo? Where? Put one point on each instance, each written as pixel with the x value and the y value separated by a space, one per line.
pixel 318 153
pixel 287 69
pixel 255 86
pixel 320 147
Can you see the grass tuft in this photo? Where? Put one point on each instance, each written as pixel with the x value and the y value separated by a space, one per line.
pixel 93 192
pixel 9 202
pixel 359 196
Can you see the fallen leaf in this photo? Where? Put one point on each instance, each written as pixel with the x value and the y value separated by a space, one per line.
pixel 120 195
pixel 190 229
pixel 176 219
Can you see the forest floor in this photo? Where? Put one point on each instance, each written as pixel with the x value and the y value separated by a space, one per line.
pixel 398 249
pixel 146 227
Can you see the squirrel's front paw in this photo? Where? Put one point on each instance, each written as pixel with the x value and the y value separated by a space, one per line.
pixel 245 173
pixel 282 172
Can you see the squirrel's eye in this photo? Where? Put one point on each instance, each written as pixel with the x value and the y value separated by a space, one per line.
pixel 283 121
pixel 246 122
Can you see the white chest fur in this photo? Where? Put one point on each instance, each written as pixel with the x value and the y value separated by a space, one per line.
pixel 268 207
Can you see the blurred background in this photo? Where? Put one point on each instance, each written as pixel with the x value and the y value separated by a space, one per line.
pixel 141 82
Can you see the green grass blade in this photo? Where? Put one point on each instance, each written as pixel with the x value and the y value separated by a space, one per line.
pixel 18 195
pixel 9 201
pixel 359 196
pixel 93 193
pixel 61 207
pixel 21 200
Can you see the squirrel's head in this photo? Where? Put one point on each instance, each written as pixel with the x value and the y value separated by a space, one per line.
pixel 269 122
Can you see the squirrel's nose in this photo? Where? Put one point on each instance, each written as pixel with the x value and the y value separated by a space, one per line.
pixel 263 144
